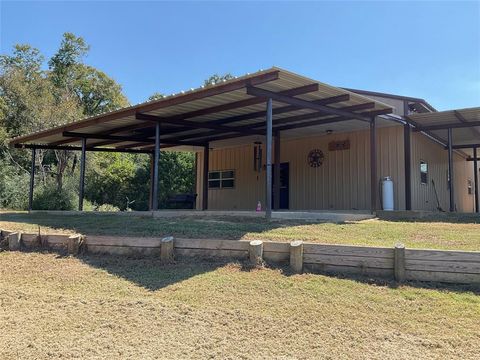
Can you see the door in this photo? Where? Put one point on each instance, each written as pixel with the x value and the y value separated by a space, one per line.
pixel 284 185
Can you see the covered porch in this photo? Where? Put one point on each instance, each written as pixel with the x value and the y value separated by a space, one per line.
pixel 266 107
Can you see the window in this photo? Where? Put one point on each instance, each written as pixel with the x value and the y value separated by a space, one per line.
pixel 221 179
pixel 469 186
pixel 423 172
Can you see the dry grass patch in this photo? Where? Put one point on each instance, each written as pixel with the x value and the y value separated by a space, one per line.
pixel 108 307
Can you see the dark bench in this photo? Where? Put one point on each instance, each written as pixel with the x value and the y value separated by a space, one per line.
pixel 182 201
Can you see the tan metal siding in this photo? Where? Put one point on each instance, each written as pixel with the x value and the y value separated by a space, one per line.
pixel 342 182
pixel 423 196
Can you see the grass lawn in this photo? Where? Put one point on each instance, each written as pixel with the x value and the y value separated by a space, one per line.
pixel 462 234
pixel 108 307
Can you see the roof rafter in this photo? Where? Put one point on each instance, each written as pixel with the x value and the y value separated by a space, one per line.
pixel 117 138
pixel 79 148
pixel 468 124
pixel 255 91
pixel 280 121
pixel 193 124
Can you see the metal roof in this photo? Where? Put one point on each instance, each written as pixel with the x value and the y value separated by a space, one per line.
pixel 465 125
pixel 213 113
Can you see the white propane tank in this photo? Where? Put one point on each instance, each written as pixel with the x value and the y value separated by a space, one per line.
pixel 387 194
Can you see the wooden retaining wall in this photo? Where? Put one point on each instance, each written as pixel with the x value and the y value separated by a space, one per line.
pixel 398 262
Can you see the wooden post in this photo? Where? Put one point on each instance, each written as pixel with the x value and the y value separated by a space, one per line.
pixel 166 249
pixel 399 262
pixel 73 245
pixel 14 241
pixel 255 252
pixel 296 256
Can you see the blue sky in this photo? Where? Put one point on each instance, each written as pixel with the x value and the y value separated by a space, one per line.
pixel 421 49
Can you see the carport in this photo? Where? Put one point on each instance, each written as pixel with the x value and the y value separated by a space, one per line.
pixel 266 103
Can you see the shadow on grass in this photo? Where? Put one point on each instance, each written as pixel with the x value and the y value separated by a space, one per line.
pixel 153 275
pixel 149 273
pixel 213 227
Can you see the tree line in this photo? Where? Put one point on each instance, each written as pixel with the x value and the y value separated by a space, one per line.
pixel 36 94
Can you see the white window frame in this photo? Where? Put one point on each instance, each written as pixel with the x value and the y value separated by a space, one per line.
pixel 220 179
pixel 423 172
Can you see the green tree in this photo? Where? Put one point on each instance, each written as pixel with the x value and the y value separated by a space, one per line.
pixel 32 99
pixel 156 96
pixel 216 78
pixel 63 65
pixel 96 91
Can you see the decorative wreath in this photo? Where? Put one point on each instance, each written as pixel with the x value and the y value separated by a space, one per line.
pixel 315 158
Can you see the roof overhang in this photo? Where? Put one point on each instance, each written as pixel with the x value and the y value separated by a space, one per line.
pixel 464 124
pixel 231 109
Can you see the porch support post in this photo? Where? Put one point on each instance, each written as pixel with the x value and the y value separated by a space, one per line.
pixel 150 197
pixel 276 182
pixel 407 132
pixel 450 172
pixel 373 166
pixel 206 160
pixel 475 178
pixel 82 174
pixel 268 205
pixel 156 160
pixel 32 181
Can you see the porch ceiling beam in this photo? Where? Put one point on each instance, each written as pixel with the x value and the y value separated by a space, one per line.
pixel 260 114
pixel 281 110
pixel 465 146
pixel 276 122
pixel 79 148
pixel 194 124
pixel 163 145
pixel 316 115
pixel 448 126
pixel 303 124
pixel 108 132
pixel 254 91
pixel 331 120
pixel 116 139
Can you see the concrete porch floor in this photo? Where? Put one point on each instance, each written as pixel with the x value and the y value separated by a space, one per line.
pixel 314 215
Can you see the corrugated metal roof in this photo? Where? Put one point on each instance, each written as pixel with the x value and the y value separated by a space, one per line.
pixel 460 135
pixel 213 104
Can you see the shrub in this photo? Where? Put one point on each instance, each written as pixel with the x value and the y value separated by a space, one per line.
pixel 50 198
pixel 13 187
